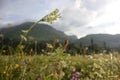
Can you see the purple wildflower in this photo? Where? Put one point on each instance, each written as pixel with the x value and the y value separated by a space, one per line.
pixel 75 76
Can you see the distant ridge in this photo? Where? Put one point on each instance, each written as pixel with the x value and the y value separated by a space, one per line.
pixel 45 32
pixel 41 32
pixel 111 41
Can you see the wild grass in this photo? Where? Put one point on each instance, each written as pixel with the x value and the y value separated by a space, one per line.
pixel 60 67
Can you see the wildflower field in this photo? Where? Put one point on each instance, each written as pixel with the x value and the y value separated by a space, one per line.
pixel 57 64
pixel 60 67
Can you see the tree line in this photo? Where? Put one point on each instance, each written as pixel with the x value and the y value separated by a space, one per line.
pixel 8 46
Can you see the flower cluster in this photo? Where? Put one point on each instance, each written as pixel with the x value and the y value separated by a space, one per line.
pixel 75 75
pixel 53 16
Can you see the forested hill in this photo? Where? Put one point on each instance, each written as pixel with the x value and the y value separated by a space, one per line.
pixel 45 32
pixel 41 32
pixel 111 41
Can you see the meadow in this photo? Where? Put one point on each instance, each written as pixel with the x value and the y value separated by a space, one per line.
pixel 57 64
pixel 60 67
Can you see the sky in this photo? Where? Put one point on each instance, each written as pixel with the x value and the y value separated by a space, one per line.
pixel 79 17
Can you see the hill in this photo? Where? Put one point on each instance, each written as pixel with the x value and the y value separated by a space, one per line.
pixel 41 32
pixel 111 41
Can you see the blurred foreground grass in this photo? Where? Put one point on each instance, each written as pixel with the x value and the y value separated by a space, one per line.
pixel 60 67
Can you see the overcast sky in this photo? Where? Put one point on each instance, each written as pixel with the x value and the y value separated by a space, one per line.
pixel 79 17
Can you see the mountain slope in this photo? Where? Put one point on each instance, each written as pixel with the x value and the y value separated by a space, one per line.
pixel 41 32
pixel 99 39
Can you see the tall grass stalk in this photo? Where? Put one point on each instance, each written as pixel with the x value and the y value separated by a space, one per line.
pixel 50 18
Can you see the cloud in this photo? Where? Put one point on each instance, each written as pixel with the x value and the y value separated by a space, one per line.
pixel 75 16
pixel 79 17
pixel 18 11
pixel 109 15
pixel 14 11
